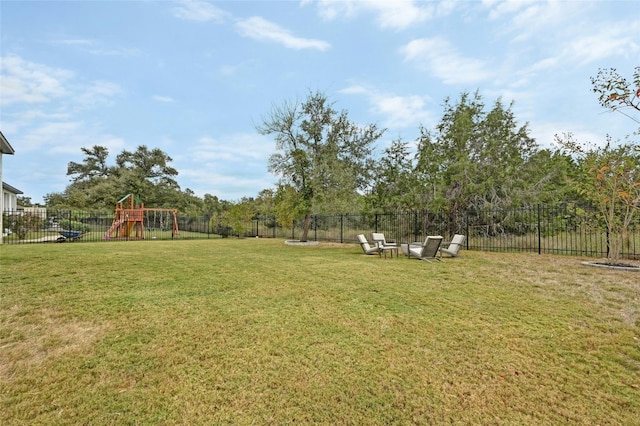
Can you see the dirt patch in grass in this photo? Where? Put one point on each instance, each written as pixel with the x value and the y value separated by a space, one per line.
pixel 617 292
pixel 32 339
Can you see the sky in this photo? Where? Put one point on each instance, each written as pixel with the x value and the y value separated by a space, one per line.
pixel 194 78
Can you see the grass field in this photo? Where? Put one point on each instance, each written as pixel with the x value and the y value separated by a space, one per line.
pixel 252 331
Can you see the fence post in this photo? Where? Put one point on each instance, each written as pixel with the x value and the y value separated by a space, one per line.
pixel 539 232
pixel 341 228
pixel 466 225
pixel 375 223
pixel 315 227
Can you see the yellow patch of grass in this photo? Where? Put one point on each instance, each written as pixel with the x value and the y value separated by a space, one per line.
pixel 34 338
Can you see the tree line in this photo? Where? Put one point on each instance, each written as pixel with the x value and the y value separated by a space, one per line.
pixel 478 156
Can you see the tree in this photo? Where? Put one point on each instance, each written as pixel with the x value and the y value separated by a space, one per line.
pixel 321 155
pixel 395 183
pixel 144 172
pixel 239 216
pixel 617 93
pixel 475 159
pixel 550 174
pixel 93 166
pixel 265 202
pixel 610 176
pixel 24 201
pixel 610 180
pixel 211 205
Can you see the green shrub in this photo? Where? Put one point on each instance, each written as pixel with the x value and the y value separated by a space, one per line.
pixel 74 225
pixel 22 224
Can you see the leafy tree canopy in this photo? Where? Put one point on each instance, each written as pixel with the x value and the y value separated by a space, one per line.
pixel 322 158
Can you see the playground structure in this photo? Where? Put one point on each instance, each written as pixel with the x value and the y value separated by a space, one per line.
pixel 131 215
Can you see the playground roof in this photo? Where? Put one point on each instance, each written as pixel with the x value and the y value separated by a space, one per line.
pixel 136 199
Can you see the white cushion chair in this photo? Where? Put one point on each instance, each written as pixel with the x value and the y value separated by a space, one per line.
pixel 427 250
pixel 453 247
pixel 366 247
pixel 379 239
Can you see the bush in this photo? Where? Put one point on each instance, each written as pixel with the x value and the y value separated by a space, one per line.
pixel 74 225
pixel 23 224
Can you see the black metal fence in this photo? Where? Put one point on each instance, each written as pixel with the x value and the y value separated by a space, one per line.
pixel 558 230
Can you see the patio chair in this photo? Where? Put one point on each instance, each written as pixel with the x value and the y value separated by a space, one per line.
pixel 453 247
pixel 366 247
pixel 427 250
pixel 382 243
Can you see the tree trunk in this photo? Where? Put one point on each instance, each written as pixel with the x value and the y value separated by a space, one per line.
pixel 305 228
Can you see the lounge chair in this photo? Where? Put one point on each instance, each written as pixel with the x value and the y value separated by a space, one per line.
pixel 453 247
pixel 427 250
pixel 382 243
pixel 366 247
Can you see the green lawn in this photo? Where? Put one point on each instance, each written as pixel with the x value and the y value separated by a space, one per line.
pixel 251 331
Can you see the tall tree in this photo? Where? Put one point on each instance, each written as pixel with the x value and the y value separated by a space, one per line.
pixel 147 173
pixel 395 186
pixel 476 159
pixel 610 176
pixel 321 155
pixel 96 185
pixel 94 165
pixel 610 180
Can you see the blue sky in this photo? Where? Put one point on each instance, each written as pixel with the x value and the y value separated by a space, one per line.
pixel 193 78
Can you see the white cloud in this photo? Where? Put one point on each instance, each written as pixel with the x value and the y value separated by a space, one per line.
pixel 96 93
pixel 15 121
pixel 551 21
pixel 27 82
pixel 402 111
pixel 200 11
pixel 329 9
pixel 400 14
pixel 498 8
pixel 48 135
pixel 225 186
pixel 65 137
pixel 438 57
pixel 261 29
pixel 398 111
pixel 24 82
pixel 93 47
pixel 165 99
pixel 239 147
pixel 72 42
pixel 602 42
pixel 231 166
pixel 354 90
pixel 397 14
pixel 114 52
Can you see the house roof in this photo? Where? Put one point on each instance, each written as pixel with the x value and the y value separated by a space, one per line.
pixel 9 188
pixel 5 146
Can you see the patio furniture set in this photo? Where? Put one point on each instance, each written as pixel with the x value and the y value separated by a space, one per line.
pixel 432 248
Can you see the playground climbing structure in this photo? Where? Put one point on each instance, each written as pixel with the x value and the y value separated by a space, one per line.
pixel 130 215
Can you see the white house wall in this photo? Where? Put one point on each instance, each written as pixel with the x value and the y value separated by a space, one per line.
pixel 9 201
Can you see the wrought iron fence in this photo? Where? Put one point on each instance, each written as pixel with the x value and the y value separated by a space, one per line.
pixel 542 229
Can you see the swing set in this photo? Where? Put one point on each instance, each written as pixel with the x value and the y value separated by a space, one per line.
pixel 131 216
